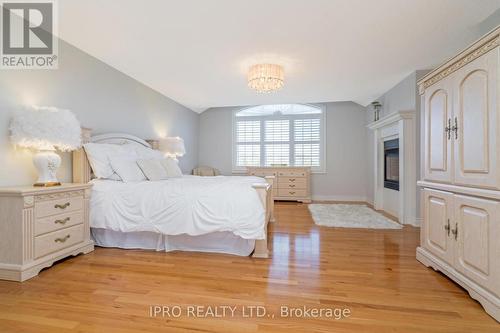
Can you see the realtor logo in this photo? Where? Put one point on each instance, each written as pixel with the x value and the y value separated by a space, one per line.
pixel 28 40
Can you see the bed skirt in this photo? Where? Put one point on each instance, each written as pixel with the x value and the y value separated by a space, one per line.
pixel 218 242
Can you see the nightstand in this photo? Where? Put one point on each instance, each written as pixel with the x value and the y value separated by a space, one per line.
pixel 40 225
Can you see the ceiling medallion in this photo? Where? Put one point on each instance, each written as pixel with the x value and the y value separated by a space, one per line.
pixel 266 78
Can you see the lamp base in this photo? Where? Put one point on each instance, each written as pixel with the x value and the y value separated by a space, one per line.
pixel 48 184
pixel 47 162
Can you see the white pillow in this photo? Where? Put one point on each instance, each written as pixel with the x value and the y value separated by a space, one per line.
pixel 115 176
pixel 145 153
pixel 153 169
pixel 126 167
pixel 98 156
pixel 173 170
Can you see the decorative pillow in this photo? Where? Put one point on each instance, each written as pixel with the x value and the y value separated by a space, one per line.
pixel 153 169
pixel 127 168
pixel 98 156
pixel 115 176
pixel 145 153
pixel 172 167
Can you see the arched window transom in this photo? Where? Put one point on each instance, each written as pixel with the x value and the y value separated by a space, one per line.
pixel 279 135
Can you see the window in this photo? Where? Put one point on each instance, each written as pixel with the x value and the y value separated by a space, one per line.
pixel 279 135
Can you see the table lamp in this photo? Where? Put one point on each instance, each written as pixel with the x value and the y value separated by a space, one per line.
pixel 45 129
pixel 173 147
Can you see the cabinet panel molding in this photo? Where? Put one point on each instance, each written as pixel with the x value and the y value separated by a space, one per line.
pixel 477 252
pixel 475 110
pixel 438 206
pixel 438 140
pixel 460 233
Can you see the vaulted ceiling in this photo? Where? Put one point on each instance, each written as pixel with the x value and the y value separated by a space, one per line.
pixel 197 52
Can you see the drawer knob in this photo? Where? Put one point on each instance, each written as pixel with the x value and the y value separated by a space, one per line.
pixel 292 185
pixel 292 179
pixel 63 206
pixel 63 222
pixel 292 192
pixel 62 239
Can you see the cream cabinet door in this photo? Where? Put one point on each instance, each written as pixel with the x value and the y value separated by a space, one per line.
pixel 476 117
pixel 438 140
pixel 436 229
pixel 477 236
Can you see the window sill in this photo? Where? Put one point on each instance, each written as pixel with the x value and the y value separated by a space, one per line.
pixel 238 172
pixel 244 172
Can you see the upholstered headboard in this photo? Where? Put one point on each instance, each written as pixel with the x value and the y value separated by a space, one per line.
pixel 82 172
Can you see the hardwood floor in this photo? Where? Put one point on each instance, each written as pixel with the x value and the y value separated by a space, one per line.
pixel 373 273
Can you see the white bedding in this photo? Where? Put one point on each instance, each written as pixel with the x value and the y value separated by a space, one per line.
pixel 189 205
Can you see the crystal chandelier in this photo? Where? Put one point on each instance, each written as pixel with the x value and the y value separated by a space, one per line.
pixel 265 78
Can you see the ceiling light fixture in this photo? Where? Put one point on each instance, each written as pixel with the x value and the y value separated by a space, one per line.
pixel 266 78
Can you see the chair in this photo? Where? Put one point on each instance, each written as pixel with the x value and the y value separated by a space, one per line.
pixel 206 171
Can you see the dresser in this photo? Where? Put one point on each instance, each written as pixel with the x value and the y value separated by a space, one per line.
pixel 39 226
pixel 291 183
pixel 460 234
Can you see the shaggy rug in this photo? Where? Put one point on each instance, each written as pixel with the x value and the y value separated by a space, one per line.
pixel 350 216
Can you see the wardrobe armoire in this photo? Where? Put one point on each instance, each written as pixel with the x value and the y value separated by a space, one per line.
pixel 460 184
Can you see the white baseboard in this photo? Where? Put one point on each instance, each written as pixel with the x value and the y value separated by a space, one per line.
pixel 413 221
pixel 338 198
pixel 418 221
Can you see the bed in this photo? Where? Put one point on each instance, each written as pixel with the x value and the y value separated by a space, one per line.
pixel 221 214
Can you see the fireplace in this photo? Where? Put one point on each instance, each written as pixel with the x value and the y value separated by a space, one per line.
pixel 391 164
pixel 395 166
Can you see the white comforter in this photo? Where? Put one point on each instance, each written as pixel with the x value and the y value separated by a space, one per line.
pixel 189 205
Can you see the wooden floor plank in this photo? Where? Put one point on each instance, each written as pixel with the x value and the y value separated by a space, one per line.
pixel 373 273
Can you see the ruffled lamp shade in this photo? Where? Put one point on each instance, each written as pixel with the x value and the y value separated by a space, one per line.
pixel 46 129
pixel 173 146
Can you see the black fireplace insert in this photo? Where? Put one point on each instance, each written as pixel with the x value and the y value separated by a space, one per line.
pixel 391 164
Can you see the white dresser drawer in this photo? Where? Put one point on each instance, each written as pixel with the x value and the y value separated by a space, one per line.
pixel 292 186
pixel 262 173
pixel 292 173
pixel 290 183
pixel 58 240
pixel 292 193
pixel 58 206
pixel 57 222
pixel 297 181
pixel 41 225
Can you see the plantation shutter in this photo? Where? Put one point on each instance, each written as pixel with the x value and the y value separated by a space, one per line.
pixel 307 141
pixel 279 135
pixel 248 143
pixel 277 142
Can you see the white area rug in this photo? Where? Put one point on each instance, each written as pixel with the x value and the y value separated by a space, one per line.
pixel 350 216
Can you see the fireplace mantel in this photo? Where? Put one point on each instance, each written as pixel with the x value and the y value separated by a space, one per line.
pixel 397 125
pixel 391 119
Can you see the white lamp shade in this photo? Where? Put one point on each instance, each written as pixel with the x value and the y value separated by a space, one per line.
pixel 173 146
pixel 45 128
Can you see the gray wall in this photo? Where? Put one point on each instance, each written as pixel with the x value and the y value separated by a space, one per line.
pixel 401 97
pixel 490 23
pixel 345 177
pixel 404 96
pixel 103 99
